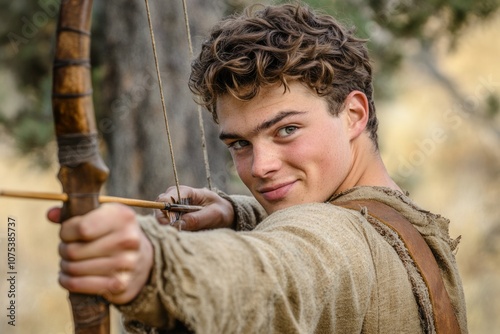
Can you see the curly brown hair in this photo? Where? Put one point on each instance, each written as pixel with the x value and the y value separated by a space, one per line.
pixel 266 45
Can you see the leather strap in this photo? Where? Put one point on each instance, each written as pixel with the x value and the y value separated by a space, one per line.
pixel 445 320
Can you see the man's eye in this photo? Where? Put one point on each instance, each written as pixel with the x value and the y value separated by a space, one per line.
pixel 287 130
pixel 238 144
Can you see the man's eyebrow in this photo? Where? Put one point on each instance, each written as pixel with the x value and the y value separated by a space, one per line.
pixel 264 125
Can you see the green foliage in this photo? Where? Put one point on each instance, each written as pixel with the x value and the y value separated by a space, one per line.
pixel 27 50
pixel 394 26
pixel 27 46
pixel 29 134
pixel 429 19
pixel 492 106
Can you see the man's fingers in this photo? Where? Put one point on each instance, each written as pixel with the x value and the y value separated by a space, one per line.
pixel 189 222
pixel 105 252
pixel 198 196
pixel 165 217
pixel 54 214
pixel 107 245
pixel 199 220
pixel 90 226
pixel 100 266
pixel 216 212
pixel 113 288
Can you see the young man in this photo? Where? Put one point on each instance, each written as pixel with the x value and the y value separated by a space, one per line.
pixel 291 90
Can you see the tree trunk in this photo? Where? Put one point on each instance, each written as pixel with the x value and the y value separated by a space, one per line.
pixel 132 120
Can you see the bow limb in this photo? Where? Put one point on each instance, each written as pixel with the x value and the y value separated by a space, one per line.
pixel 82 171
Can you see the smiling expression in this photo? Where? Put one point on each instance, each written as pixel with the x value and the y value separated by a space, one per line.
pixel 286 146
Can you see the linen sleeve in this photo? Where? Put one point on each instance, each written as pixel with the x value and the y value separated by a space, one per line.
pixel 295 273
pixel 248 213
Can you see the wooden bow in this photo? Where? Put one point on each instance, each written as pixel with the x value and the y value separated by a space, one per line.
pixel 82 171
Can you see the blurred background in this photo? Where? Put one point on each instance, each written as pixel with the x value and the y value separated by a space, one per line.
pixel 437 92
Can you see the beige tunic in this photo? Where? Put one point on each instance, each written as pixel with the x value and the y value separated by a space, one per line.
pixel 312 268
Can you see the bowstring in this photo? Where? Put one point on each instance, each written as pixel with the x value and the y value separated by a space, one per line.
pixel 199 111
pixel 165 117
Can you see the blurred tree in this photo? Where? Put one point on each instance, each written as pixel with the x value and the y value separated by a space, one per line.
pixel 132 120
pixel 125 88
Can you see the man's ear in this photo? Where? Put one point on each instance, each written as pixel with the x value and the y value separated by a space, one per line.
pixel 357 111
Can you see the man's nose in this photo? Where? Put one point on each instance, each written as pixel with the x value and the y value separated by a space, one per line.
pixel 266 161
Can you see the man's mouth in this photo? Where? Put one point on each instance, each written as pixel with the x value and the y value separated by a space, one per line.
pixel 275 192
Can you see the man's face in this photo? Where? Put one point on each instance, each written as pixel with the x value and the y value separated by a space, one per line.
pixel 287 148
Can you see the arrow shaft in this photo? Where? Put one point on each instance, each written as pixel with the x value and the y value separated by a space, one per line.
pixel 102 199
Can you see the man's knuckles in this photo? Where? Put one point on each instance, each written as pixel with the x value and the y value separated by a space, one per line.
pixel 128 239
pixel 70 251
pixel 125 262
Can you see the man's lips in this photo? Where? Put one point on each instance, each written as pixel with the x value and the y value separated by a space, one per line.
pixel 276 192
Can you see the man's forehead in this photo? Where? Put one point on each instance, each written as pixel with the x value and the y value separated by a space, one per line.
pixel 266 96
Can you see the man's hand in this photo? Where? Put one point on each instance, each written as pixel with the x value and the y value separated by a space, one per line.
pixel 216 213
pixel 104 252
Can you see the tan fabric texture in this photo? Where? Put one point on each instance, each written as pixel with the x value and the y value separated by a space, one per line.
pixel 313 268
pixel 435 231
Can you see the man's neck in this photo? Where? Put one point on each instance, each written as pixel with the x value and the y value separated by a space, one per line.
pixel 367 168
